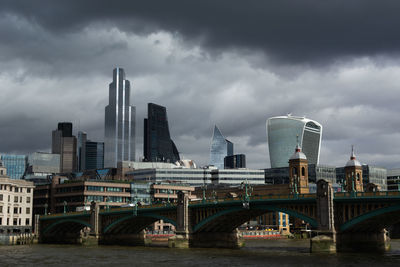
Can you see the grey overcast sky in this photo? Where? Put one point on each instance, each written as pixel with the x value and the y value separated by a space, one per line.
pixel 230 63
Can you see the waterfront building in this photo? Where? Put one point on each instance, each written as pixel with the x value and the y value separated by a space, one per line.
pixel 282 132
pixel 393 180
pixel 220 148
pixel 124 167
pixel 234 177
pixel 158 145
pixel 15 204
pixel 353 174
pixel 235 161
pixel 40 166
pixel 15 164
pixel 119 123
pixel 64 144
pixel 198 177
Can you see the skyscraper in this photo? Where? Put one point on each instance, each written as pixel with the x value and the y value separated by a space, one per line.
pixel 220 148
pixel 81 150
pixel 158 145
pixel 15 164
pixel 64 143
pixel 94 155
pixel 282 132
pixel 119 126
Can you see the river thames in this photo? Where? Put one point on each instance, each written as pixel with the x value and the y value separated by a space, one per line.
pixel 256 253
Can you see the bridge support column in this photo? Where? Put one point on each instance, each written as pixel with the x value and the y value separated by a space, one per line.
pixel 363 241
pixel 325 238
pixel 181 238
pixel 217 240
pixel 138 239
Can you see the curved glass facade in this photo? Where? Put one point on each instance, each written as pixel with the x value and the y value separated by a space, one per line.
pixel 282 139
pixel 220 148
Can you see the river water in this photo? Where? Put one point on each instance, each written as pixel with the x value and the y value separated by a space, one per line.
pixel 256 253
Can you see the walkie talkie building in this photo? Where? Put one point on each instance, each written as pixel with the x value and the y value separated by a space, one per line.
pixel 119 132
pixel 282 134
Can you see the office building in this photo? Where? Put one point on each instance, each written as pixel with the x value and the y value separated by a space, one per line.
pixel 375 175
pixel 16 198
pixel 157 145
pixel 282 134
pixel 40 166
pixel 220 148
pixel 119 124
pixel 235 161
pixel 64 144
pixel 94 158
pixel 81 150
pixel 393 180
pixel 15 164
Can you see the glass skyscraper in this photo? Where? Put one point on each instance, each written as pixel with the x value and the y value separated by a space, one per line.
pixel 282 134
pixel 94 155
pixel 15 165
pixel 64 144
pixel 220 148
pixel 158 145
pixel 119 126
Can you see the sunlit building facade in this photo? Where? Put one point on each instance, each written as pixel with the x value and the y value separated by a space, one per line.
pixel 282 134
pixel 119 132
pixel 220 148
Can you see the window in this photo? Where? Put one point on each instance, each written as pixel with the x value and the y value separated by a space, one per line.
pixel 303 171
pixel 15 210
pixel 20 199
pixel 15 189
pixel 1 210
pixel 1 197
pixel 19 221
pixel 9 198
pixel 8 221
pixel 28 190
pixel 15 221
pixel 28 199
pixel 16 199
pixel 8 211
pixel 27 221
pixel 28 210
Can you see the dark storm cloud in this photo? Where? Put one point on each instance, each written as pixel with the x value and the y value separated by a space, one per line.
pixel 308 31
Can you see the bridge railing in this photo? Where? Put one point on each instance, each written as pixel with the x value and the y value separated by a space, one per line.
pixel 48 216
pixel 367 194
pixel 250 198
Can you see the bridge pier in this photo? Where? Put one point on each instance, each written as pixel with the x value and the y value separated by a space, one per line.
pixel 216 240
pixel 363 241
pixel 138 239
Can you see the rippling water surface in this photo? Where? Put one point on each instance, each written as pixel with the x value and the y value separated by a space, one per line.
pixel 256 253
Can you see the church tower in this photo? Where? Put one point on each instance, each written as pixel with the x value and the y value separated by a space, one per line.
pixel 353 174
pixel 298 172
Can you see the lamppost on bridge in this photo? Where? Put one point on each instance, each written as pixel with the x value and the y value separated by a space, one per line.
pixel 135 209
pixel 214 196
pixel 65 206
pixel 45 208
pixel 204 188
pixel 247 193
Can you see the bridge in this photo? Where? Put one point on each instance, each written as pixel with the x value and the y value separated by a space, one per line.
pixel 340 221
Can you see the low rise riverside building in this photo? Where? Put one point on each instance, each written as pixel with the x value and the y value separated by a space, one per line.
pixel 16 199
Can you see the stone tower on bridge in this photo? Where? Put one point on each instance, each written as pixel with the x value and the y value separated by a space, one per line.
pixel 353 174
pixel 298 172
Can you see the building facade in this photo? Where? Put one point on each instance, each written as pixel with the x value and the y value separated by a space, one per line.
pixel 15 164
pixel 94 155
pixel 158 145
pixel 375 175
pixel 64 144
pixel 282 132
pixel 393 180
pixel 119 123
pixel 41 165
pixel 235 161
pixel 81 150
pixel 16 198
pixel 220 148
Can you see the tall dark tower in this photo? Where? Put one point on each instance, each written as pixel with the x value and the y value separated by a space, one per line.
pixel 119 126
pixel 353 174
pixel 298 172
pixel 157 145
pixel 64 143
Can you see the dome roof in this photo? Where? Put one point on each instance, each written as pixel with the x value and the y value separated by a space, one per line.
pixel 298 154
pixel 353 162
